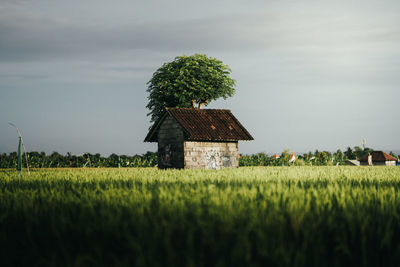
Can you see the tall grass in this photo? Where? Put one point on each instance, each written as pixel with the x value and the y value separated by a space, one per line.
pixel 281 216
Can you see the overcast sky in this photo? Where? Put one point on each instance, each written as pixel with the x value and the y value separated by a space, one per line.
pixel 310 74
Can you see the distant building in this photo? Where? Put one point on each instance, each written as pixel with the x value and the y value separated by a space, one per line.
pixel 194 138
pixel 352 162
pixel 378 158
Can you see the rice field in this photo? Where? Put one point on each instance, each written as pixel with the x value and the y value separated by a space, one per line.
pixel 253 216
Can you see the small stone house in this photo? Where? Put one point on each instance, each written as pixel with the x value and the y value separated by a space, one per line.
pixel 379 158
pixel 193 138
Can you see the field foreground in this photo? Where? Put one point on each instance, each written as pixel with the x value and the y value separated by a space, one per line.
pixel 278 216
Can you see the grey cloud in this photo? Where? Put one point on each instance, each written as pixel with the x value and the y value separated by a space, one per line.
pixel 27 39
pixel 30 37
pixel 132 69
pixel 23 76
pixel 27 36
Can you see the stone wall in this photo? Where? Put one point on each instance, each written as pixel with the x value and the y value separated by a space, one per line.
pixel 170 144
pixel 210 155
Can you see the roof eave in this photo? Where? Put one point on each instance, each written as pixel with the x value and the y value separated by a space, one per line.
pixel 150 135
pixel 216 140
pixel 243 128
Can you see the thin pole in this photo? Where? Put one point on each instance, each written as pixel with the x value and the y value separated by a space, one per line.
pixel 23 146
pixel 19 160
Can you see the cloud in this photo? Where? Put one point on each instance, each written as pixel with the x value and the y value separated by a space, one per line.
pixel 31 36
pixel 23 76
pixel 27 37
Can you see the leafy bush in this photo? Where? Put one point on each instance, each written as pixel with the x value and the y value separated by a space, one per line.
pixel 55 160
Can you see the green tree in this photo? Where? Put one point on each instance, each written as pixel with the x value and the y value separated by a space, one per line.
pixel 338 156
pixel 188 81
pixel 285 156
pixel 359 152
pixel 349 154
pixel 322 158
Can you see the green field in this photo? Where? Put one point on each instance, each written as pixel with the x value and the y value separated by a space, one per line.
pixel 278 216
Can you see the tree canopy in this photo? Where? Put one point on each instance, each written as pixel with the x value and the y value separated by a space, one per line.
pixel 188 81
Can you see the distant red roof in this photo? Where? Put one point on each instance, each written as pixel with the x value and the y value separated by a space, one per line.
pixel 379 156
pixel 204 125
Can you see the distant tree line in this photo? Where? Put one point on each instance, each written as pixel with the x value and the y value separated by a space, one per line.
pixel 57 160
pixel 318 158
pixel 149 159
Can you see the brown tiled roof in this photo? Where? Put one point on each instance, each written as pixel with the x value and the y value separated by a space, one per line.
pixel 204 125
pixel 379 156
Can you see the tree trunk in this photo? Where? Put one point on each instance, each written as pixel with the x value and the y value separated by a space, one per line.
pixel 202 103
